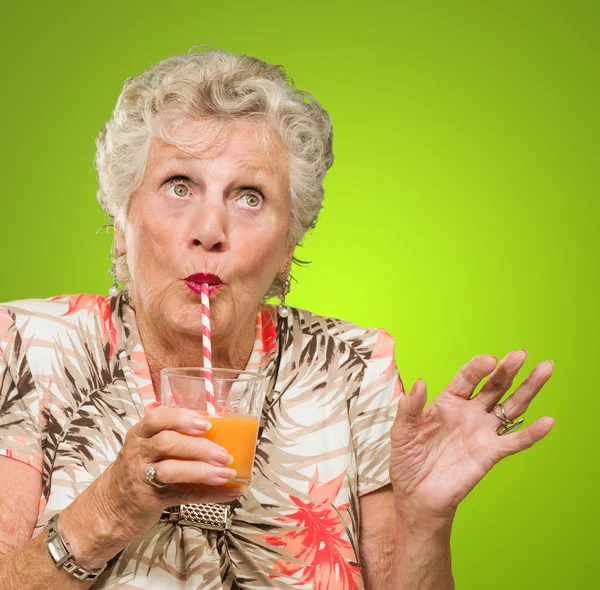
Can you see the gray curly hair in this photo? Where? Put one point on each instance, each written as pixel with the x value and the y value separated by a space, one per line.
pixel 223 88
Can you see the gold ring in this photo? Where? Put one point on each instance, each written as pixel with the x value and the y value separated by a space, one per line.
pixel 150 474
pixel 507 424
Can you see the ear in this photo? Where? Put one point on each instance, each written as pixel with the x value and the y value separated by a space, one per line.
pixel 287 264
pixel 290 255
pixel 120 243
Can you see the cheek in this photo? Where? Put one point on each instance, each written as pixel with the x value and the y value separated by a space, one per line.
pixel 152 242
pixel 260 255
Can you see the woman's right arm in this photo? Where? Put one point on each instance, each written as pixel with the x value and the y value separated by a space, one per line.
pixel 117 506
pixel 25 564
pixel 20 492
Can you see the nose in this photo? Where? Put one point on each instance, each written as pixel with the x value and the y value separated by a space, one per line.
pixel 208 227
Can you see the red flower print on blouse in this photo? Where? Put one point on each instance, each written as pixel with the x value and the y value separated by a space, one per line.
pixel 88 302
pixel 319 546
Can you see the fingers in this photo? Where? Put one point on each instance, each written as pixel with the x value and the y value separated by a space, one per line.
pixel 171 471
pixel 180 419
pixel 410 407
pixel 199 494
pixel 170 439
pixel 517 403
pixel 470 375
pixel 524 439
pixel 501 380
pixel 181 446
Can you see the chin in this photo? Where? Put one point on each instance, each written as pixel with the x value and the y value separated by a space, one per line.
pixel 187 319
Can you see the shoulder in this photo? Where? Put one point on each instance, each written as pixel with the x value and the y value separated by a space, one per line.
pixel 43 318
pixel 61 305
pixel 369 342
pixel 80 305
pixel 333 353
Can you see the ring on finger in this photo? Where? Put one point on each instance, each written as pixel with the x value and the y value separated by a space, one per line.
pixel 150 475
pixel 507 425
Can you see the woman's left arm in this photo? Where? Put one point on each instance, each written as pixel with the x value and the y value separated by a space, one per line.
pixel 438 455
pixel 399 552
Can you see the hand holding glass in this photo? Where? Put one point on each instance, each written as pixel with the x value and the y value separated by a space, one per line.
pixel 238 399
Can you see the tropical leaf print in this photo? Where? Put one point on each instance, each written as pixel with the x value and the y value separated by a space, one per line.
pixel 18 396
pixel 74 378
pixel 318 544
pixel 93 410
pixel 90 303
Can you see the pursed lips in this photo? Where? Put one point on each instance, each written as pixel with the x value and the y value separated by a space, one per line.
pixel 194 281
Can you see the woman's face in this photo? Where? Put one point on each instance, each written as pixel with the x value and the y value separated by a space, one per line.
pixel 225 213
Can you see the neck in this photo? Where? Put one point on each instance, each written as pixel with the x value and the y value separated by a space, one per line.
pixel 181 350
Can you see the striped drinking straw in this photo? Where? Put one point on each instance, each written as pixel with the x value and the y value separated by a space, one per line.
pixel 209 386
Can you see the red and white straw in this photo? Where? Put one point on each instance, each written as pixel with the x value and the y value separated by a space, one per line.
pixel 206 349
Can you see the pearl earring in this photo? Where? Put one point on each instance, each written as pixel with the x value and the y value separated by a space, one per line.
pixel 114 290
pixel 283 310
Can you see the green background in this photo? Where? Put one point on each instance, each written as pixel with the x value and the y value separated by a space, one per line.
pixel 461 213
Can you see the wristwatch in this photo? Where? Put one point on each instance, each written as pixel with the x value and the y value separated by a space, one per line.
pixel 61 556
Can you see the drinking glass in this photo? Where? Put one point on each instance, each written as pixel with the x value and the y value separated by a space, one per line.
pixel 238 399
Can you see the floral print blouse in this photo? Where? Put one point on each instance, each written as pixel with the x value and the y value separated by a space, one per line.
pixel 74 379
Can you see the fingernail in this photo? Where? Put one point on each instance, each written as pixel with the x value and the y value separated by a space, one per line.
pixel 414 387
pixel 545 369
pixel 227 474
pixel 223 457
pixel 233 492
pixel 521 355
pixel 201 424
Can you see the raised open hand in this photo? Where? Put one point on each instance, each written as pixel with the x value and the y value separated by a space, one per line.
pixel 441 452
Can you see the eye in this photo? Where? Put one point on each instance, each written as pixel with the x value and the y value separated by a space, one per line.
pixel 251 199
pixel 179 190
pixel 178 186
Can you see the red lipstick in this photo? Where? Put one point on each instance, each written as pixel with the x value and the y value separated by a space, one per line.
pixel 204 277
pixel 194 281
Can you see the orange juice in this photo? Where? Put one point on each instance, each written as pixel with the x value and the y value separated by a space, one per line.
pixel 237 434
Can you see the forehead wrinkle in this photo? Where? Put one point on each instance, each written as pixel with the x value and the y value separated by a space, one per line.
pixel 243 165
pixel 267 163
pixel 267 171
pixel 264 140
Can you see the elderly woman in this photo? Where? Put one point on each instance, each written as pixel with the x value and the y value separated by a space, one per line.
pixel 212 168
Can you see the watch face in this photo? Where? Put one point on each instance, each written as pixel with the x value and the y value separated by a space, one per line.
pixel 57 549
